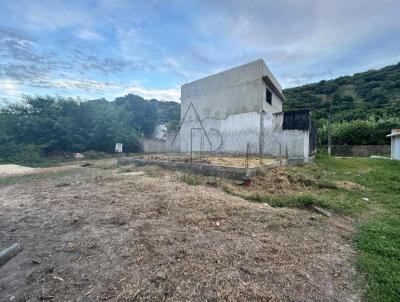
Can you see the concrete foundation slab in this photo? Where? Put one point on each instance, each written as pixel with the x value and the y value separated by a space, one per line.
pixel 203 169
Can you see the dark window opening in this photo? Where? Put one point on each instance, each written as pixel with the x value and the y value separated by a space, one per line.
pixel 269 96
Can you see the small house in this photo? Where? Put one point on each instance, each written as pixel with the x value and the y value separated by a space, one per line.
pixel 395 143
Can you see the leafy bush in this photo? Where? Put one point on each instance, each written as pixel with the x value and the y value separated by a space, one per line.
pixel 358 132
pixel 19 153
pixel 45 126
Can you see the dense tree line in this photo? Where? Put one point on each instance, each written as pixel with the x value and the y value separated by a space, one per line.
pixel 40 126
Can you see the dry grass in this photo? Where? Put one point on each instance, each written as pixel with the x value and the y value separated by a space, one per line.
pixel 152 238
pixel 349 185
pixel 276 181
pixel 237 161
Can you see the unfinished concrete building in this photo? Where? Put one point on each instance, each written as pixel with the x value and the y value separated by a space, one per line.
pixel 239 111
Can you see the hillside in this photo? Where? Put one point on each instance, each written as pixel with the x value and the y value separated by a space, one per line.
pixel 360 96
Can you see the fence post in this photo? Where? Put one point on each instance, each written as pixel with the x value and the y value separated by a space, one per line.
pixel 247 155
pixel 261 138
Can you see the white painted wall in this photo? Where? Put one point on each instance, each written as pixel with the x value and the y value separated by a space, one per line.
pixel 396 147
pixel 279 142
pixel 395 144
pixel 233 134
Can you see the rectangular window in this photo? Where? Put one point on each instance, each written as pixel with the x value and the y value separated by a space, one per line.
pixel 269 96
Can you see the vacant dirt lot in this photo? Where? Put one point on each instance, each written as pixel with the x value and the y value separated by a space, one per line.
pixel 93 234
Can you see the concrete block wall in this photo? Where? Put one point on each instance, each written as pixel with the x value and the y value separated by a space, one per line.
pixel 203 169
pixel 154 145
pixel 233 91
pixel 238 90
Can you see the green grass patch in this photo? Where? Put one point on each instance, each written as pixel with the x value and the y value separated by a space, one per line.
pixel 308 181
pixel 378 245
pixel 307 201
pixel 126 169
pixel 34 177
pixel 191 179
pixel 377 240
pixel 302 201
pixel 44 162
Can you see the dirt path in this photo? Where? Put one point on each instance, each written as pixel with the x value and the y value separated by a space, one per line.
pixel 10 169
pixel 92 235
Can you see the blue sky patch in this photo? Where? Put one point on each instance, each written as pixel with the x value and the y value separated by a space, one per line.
pixel 108 48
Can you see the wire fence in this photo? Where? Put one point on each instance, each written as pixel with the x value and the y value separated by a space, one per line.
pixel 250 158
pixel 197 146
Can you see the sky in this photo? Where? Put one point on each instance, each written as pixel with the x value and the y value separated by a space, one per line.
pixel 108 48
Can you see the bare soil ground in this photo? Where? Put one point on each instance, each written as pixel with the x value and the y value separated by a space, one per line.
pixel 93 234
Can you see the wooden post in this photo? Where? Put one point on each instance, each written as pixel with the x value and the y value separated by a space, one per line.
pixel 329 131
pixel 191 144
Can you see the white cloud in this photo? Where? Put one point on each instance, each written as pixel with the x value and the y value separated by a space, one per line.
pixel 266 24
pixel 9 88
pixel 302 41
pixel 329 38
pixel 159 94
pixel 46 14
pixel 88 35
pixel 84 84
